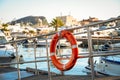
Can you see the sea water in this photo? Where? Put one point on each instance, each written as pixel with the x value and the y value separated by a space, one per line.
pixel 28 55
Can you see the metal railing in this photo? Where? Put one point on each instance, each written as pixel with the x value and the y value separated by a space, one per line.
pixel 90 54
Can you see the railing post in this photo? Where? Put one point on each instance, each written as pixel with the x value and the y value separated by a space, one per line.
pixel 62 72
pixel 18 67
pixel 90 52
pixel 49 73
pixel 35 57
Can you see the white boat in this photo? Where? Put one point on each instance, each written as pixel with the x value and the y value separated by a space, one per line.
pixel 61 43
pixel 116 45
pixel 41 43
pixel 107 65
pixel 7 52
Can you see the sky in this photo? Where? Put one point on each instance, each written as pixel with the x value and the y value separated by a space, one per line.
pixel 79 9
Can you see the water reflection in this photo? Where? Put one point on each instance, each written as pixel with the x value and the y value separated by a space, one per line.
pixel 28 55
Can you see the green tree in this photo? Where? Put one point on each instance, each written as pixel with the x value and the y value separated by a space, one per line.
pixel 5 27
pixel 32 32
pixel 56 22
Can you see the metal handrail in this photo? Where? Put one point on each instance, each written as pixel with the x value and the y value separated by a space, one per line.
pixel 84 55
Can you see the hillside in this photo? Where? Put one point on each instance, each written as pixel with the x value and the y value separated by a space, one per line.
pixel 32 20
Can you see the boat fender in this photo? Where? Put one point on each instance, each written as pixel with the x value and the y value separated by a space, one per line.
pixel 95 62
pixel 13 56
pixel 21 60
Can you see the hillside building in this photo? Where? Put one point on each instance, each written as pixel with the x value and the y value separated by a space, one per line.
pixel 68 20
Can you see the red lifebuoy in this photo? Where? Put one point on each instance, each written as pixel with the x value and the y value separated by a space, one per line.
pixel 73 58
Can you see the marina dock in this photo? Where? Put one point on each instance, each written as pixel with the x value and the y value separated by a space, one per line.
pixel 9 73
pixel 99 40
pixel 70 77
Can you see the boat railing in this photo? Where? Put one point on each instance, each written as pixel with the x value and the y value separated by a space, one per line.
pixel 90 54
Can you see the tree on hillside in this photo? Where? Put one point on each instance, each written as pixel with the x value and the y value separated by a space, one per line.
pixel 56 22
pixel 32 32
pixel 5 27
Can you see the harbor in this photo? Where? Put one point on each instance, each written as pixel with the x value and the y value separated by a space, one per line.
pixel 37 62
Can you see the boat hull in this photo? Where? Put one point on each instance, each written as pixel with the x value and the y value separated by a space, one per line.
pixel 108 65
pixel 5 59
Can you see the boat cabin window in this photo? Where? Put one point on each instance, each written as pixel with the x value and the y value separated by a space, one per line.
pixel 2 39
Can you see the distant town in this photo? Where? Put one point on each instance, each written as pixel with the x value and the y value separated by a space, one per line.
pixel 36 25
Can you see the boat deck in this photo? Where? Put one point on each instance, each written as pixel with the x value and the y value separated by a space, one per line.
pixel 8 73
